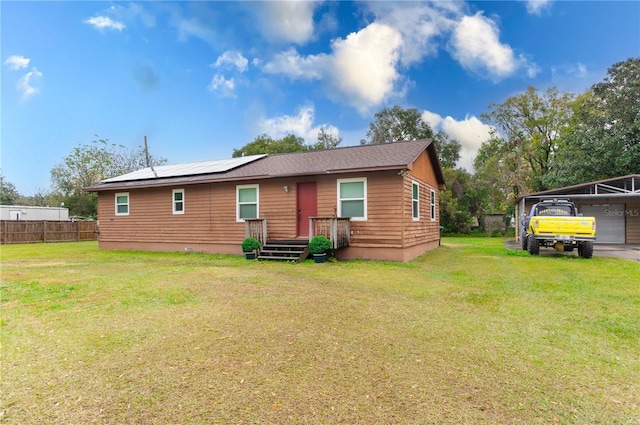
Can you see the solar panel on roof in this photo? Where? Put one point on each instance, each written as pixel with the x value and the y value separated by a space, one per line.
pixel 189 169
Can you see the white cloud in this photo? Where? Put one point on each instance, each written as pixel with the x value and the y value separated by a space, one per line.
pixel 365 65
pixel 573 77
pixel 300 125
pixel 470 132
pixel 28 85
pixel 361 69
pixel 532 68
pixel 232 58
pixel 419 24
pixel 193 27
pixel 104 22
pixel 578 70
pixel 131 12
pixel 476 45
pixel 291 64
pixel 536 7
pixel 286 21
pixel 222 86
pixel 16 62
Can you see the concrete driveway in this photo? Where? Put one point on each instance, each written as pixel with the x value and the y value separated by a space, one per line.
pixel 628 251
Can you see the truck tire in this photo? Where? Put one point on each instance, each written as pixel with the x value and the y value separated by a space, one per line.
pixel 523 241
pixel 585 249
pixel 533 246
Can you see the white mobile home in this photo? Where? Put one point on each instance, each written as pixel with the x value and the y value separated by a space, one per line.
pixel 23 212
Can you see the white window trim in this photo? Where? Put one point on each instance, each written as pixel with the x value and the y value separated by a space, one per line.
pixel 417 201
pixel 432 204
pixel 247 186
pixel 174 202
pixel 128 204
pixel 359 179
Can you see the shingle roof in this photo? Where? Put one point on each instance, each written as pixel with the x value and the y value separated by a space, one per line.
pixel 390 156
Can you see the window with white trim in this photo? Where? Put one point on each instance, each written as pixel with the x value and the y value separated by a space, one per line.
pixel 352 198
pixel 247 202
pixel 122 203
pixel 415 201
pixel 178 201
pixel 433 204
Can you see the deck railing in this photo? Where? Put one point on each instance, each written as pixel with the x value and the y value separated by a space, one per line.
pixel 256 228
pixel 335 228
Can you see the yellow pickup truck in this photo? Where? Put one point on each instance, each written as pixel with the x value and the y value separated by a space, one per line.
pixel 557 224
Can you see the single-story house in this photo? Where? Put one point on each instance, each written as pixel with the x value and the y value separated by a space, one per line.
pixel 373 201
pixel 615 203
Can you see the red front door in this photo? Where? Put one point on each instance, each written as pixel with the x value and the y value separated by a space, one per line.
pixel 307 206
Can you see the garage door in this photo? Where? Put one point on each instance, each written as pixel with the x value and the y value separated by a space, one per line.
pixel 610 221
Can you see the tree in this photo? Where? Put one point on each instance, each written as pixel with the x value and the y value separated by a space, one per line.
pixel 8 192
pixel 326 140
pixel 603 138
pixel 264 144
pixel 89 164
pixel 500 167
pixel 531 124
pixel 396 125
pixel 454 218
pixel 448 149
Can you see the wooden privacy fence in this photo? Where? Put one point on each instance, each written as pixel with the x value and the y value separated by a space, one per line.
pixel 32 231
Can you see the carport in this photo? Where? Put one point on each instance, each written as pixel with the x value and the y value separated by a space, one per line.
pixel 615 203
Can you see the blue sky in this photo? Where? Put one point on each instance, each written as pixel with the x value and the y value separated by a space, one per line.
pixel 202 78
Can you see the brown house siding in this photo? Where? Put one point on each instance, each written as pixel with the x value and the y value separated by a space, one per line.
pixel 423 170
pixel 424 229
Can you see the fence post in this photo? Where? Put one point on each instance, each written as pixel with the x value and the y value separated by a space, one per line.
pixel 44 231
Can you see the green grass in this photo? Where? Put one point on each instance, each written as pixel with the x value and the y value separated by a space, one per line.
pixel 467 333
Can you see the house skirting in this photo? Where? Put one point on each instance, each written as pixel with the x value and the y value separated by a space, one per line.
pixel 385 253
pixel 207 248
pixel 349 253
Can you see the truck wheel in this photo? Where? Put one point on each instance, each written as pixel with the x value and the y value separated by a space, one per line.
pixel 585 250
pixel 533 246
pixel 523 241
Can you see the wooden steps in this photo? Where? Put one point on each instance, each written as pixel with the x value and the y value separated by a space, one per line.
pixel 284 251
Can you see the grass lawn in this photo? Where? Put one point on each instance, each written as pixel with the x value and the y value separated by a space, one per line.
pixel 468 333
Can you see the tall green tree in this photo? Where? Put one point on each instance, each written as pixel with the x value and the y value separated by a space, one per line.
pixel 264 144
pixel 603 138
pixel 327 140
pixel 500 168
pixel 530 125
pixel 448 149
pixel 397 124
pixel 89 164
pixel 8 192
